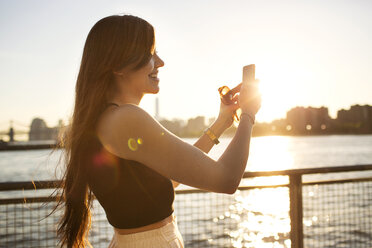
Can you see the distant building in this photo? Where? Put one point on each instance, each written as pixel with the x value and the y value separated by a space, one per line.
pixel 356 113
pixel 211 120
pixel 302 120
pixel 40 131
pixel 11 134
pixel 195 126
pixel 358 118
pixel 174 126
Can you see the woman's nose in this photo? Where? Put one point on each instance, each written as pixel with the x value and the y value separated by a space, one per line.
pixel 158 61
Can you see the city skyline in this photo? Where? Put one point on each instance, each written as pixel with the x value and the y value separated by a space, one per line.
pixel 357 119
pixel 306 54
pixel 158 116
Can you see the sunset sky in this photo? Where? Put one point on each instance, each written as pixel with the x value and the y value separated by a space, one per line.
pixel 307 53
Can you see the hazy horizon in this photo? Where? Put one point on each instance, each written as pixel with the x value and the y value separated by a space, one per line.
pixel 314 54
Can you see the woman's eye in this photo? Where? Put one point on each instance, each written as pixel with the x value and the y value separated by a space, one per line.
pixel 155 52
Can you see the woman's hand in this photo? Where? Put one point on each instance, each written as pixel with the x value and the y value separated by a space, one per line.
pixel 250 97
pixel 226 115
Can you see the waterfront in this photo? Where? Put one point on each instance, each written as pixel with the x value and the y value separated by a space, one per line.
pixel 266 153
pixel 252 218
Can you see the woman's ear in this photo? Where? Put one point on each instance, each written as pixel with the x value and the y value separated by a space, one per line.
pixel 118 73
pixel 122 72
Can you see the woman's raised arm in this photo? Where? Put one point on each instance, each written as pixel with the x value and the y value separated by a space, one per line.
pixel 170 156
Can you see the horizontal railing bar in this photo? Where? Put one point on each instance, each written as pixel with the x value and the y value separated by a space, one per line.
pixel 350 180
pixel 28 147
pixel 188 191
pixel 365 179
pixel 28 200
pixel 50 184
pixel 262 186
pixel 348 168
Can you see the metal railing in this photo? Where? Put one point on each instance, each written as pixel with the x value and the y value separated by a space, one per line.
pixel 332 208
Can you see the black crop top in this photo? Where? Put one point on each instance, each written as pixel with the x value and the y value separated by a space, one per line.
pixel 132 194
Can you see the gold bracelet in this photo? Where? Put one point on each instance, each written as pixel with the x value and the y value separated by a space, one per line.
pixel 211 135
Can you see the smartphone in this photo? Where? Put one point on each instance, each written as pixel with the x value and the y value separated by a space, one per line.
pixel 248 75
pixel 227 95
pixel 249 72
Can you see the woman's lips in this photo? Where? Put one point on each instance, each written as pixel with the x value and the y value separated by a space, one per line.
pixel 154 76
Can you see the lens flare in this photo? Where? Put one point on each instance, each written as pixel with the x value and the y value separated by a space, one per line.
pixel 132 144
pixel 104 158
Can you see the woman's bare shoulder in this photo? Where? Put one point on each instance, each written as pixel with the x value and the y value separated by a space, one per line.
pixel 115 116
pixel 118 123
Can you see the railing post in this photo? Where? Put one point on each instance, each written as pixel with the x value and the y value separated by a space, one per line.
pixel 295 210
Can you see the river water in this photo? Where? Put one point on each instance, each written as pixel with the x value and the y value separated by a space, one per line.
pixel 266 153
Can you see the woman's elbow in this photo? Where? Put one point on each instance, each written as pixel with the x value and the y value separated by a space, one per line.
pixel 227 182
pixel 232 189
pixel 230 186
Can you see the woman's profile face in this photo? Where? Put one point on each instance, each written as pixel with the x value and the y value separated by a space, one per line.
pixel 145 80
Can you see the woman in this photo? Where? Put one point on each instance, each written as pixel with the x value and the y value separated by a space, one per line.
pixel 119 153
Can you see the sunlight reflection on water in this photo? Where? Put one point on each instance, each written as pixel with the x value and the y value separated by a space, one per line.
pixel 263 219
pixel 271 153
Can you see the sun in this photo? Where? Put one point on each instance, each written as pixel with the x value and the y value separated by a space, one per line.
pixel 277 87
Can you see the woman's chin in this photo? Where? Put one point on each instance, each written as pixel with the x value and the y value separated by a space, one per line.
pixel 152 87
pixel 154 90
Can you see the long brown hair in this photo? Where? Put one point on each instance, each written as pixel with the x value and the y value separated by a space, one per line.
pixel 114 43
